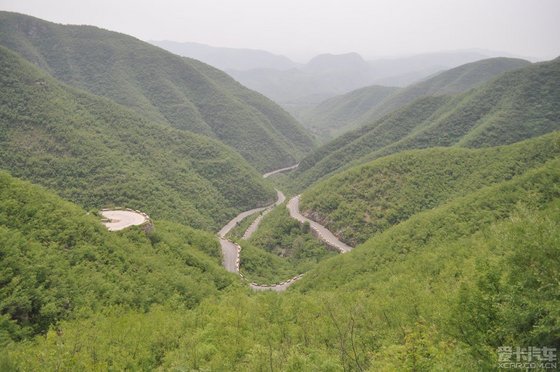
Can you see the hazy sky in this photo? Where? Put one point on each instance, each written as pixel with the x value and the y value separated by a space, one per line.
pixel 302 28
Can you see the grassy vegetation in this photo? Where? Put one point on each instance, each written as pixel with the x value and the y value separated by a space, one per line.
pixel 280 249
pixel 442 291
pixel 183 93
pixel 517 105
pixel 368 199
pixel 97 153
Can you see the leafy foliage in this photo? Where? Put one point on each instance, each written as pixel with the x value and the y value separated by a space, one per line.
pixel 413 297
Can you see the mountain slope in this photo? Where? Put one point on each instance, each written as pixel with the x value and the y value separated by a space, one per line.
pixel 185 93
pixel 368 199
pixel 59 262
pixel 517 105
pixel 336 115
pixel 457 80
pixel 340 114
pixel 98 153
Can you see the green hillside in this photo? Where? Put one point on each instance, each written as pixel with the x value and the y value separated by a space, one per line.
pixel 517 105
pixel 336 115
pixel 440 291
pixel 163 87
pixel 366 105
pixel 368 199
pixel 458 281
pixel 456 80
pixel 59 262
pixel 98 153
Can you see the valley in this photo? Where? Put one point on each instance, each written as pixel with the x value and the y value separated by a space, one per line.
pixel 380 214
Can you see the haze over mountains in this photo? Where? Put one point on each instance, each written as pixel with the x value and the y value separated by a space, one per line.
pixel 228 58
pixel 298 87
pixel 339 114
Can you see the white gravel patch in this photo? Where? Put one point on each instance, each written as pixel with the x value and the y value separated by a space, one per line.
pixel 121 219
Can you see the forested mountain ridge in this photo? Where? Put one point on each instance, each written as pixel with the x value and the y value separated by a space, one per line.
pixel 370 198
pixel 456 80
pixel 97 153
pixel 366 105
pixel 518 104
pixel 185 93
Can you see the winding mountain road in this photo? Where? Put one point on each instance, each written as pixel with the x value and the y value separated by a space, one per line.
pixel 266 175
pixel 321 231
pixel 253 227
pixel 231 251
pixel 120 219
pixel 240 217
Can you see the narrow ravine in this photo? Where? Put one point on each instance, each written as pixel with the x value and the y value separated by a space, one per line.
pixel 231 251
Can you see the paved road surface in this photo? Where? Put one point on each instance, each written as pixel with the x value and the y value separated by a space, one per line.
pixel 251 229
pixel 321 231
pixel 230 250
pixel 266 175
pixel 276 287
pixel 121 219
pixel 231 224
pixel 230 254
